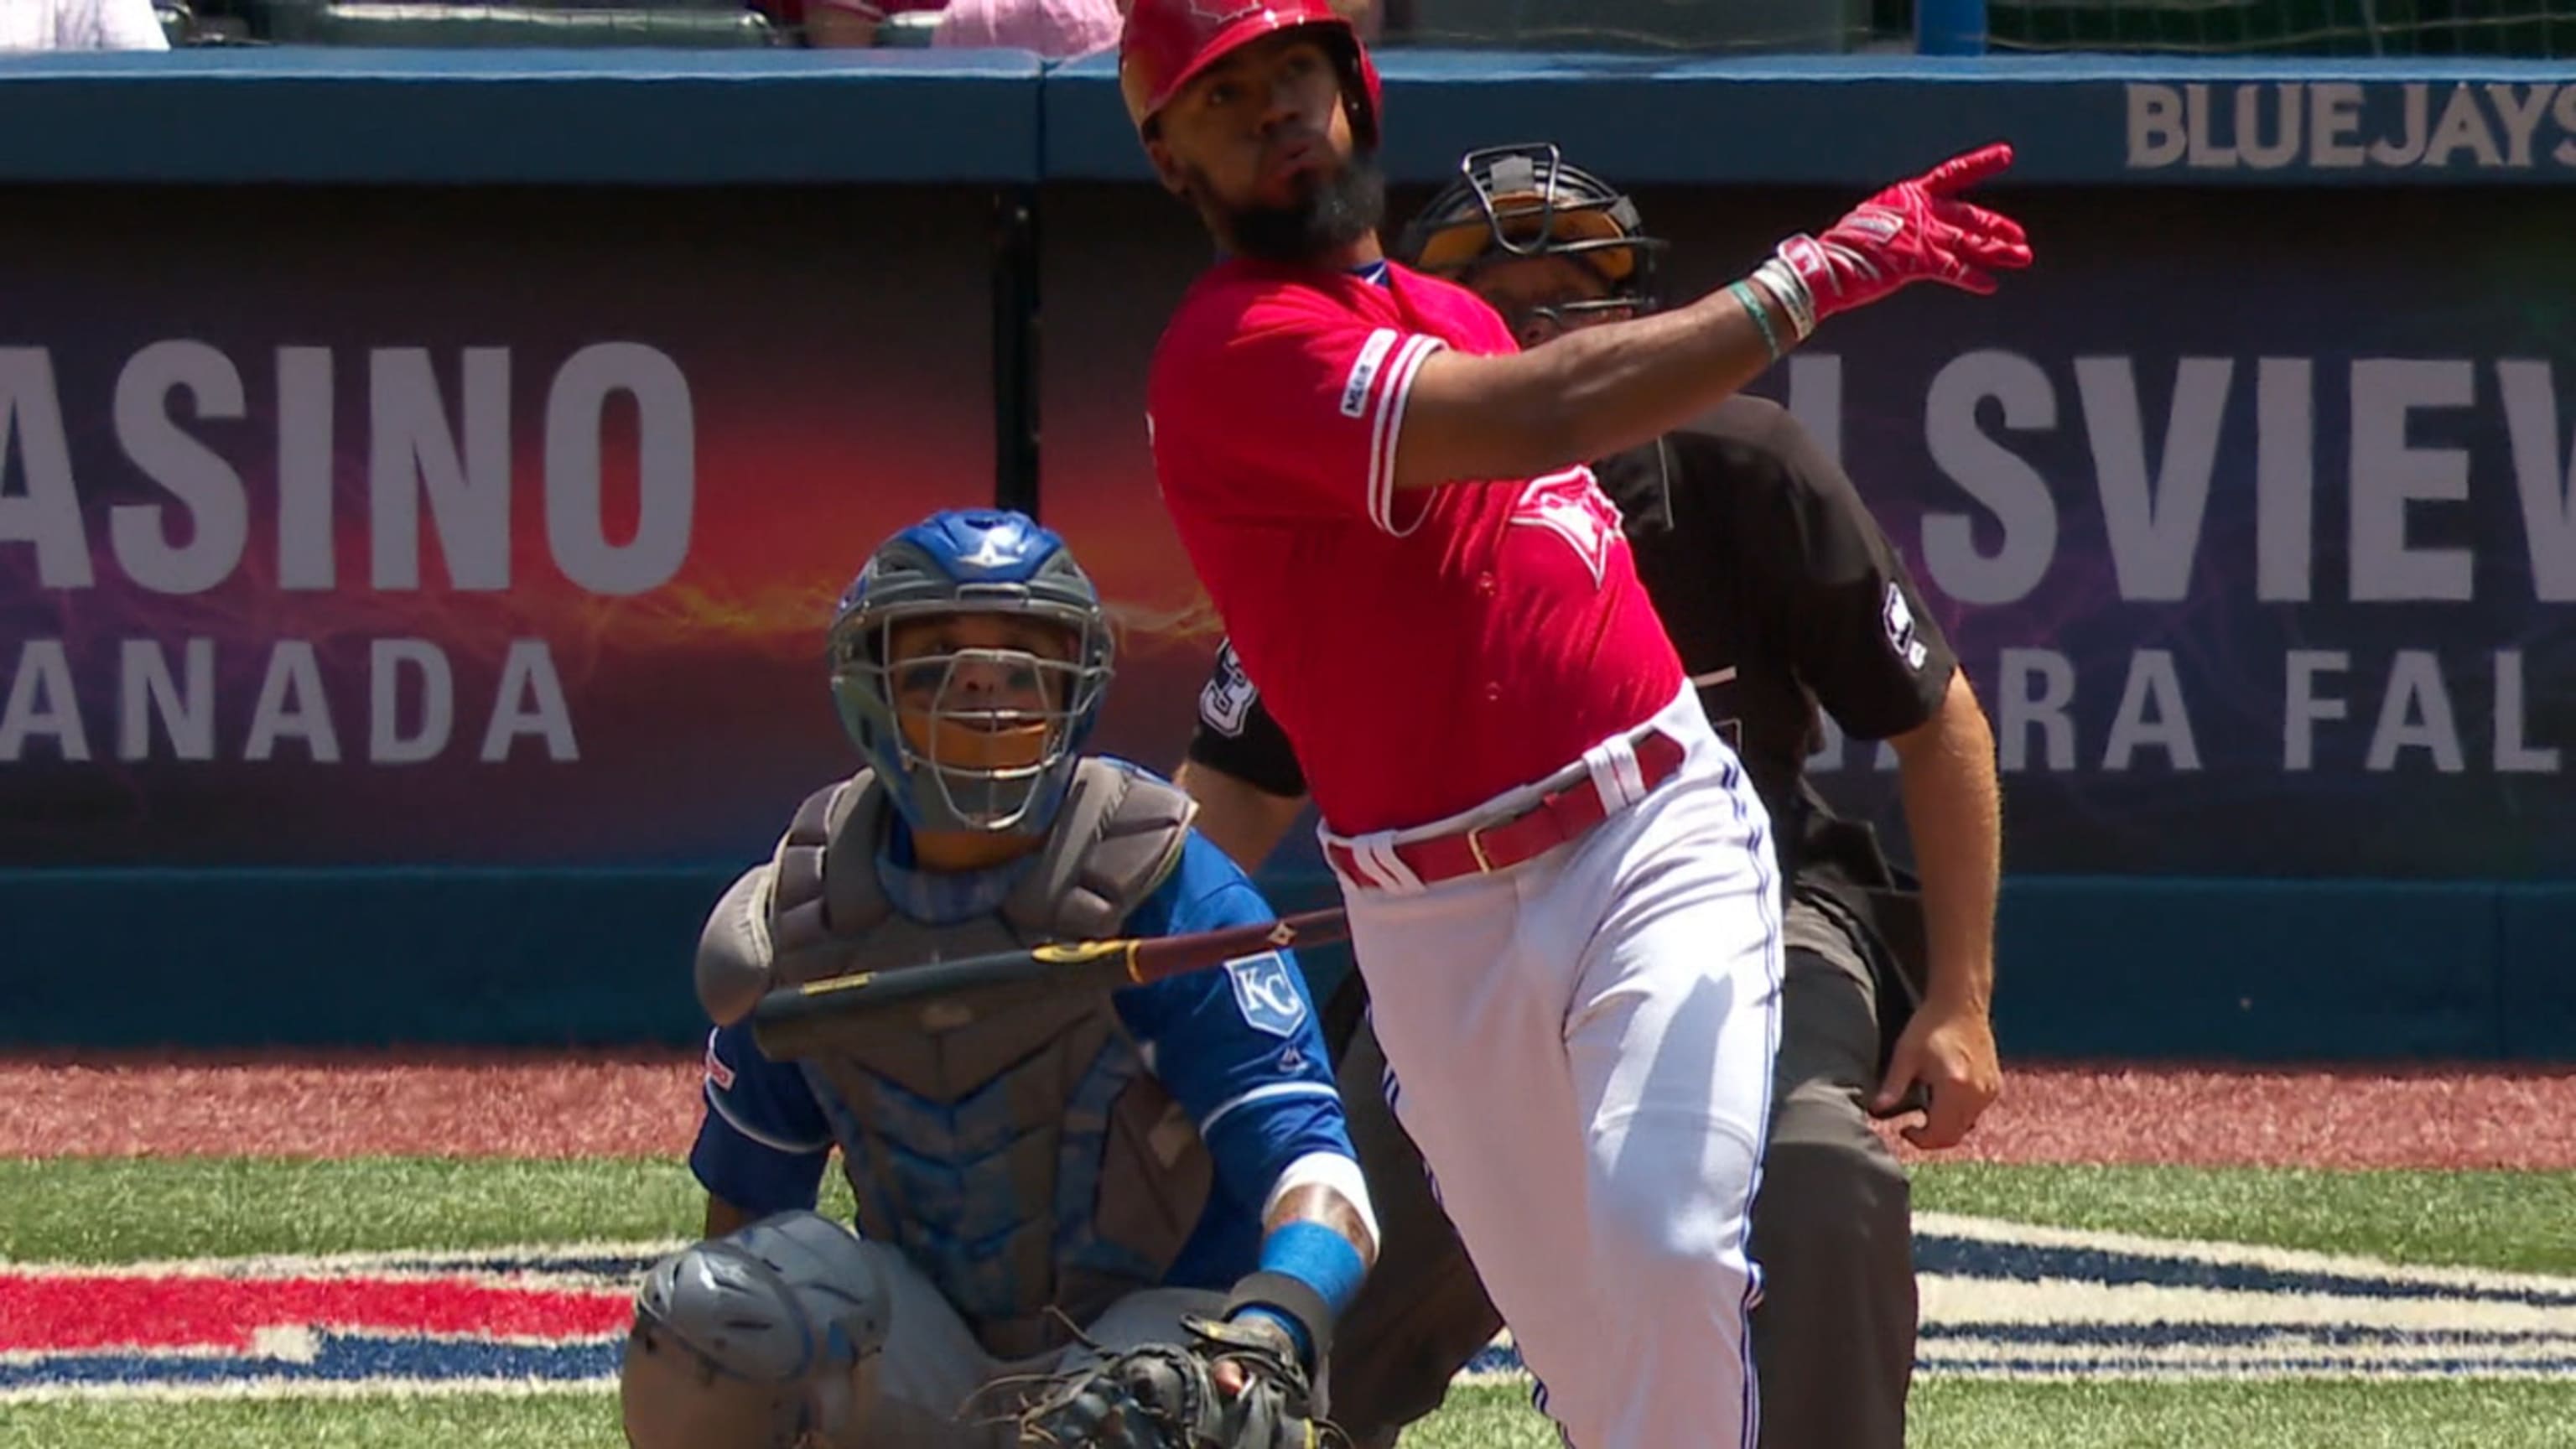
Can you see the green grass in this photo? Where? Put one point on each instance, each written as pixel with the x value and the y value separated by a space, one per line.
pixel 58 1209
pixel 104 1210
pixel 1967 1414
pixel 94 1210
pixel 112 1210
pixel 2292 1414
pixel 476 1421
pixel 2507 1220
pixel 1948 1414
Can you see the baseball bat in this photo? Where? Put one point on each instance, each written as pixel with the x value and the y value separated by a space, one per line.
pixel 793 1021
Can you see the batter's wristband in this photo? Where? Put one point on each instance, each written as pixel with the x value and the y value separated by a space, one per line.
pixel 1290 1297
pixel 1782 281
pixel 1761 315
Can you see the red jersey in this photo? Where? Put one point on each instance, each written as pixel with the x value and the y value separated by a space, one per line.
pixel 1423 651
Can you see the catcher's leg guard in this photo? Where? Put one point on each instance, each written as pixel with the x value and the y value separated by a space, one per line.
pixel 767 1338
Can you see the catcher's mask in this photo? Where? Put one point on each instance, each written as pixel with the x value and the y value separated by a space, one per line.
pixel 1524 201
pixel 969 662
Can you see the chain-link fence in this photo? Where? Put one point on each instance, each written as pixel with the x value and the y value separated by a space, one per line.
pixel 2527 28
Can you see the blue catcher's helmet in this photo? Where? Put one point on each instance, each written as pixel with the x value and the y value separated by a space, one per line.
pixel 970 737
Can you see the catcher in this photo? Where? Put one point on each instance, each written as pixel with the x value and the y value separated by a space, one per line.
pixel 1113 1219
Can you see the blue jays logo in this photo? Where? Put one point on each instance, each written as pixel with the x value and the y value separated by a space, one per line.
pixel 1265 989
pixel 1572 506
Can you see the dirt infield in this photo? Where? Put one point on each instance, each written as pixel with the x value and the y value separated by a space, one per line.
pixel 459 1105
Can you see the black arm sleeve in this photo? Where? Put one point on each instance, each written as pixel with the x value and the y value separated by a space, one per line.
pixel 1855 625
pixel 1236 734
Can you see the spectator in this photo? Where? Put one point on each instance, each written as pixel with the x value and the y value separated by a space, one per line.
pixel 80 25
pixel 1055 29
pixel 1072 29
pixel 834 24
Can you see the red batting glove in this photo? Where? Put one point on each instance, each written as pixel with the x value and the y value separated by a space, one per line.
pixel 1914 231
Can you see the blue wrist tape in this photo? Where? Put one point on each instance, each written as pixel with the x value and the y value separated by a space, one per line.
pixel 1309 1274
pixel 1317 1256
pixel 1286 1320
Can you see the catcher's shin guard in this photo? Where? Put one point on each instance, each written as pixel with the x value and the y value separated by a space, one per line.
pixel 764 1339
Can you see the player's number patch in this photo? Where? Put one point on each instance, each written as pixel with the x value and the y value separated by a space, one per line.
pixel 1226 700
pixel 1899 619
pixel 1265 990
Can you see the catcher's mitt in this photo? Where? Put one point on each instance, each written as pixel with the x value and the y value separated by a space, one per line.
pixel 1163 1396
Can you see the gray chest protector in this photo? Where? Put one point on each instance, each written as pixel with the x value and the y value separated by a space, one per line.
pixel 1026 1160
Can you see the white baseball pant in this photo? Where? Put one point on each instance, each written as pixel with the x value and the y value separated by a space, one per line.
pixel 1582 1047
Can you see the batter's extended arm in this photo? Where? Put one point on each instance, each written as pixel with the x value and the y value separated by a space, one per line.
pixel 1619 385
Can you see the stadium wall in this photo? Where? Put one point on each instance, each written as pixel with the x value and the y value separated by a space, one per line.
pixel 424 476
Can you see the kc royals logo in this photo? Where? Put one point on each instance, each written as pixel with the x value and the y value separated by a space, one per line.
pixel 1572 506
pixel 1267 993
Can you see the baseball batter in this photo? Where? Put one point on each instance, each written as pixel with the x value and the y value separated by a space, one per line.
pixel 1078 1216
pixel 1785 600
pixel 1561 885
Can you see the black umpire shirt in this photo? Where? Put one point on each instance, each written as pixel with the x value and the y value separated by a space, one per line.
pixel 1781 594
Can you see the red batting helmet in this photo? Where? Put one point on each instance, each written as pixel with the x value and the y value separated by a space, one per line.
pixel 1167 43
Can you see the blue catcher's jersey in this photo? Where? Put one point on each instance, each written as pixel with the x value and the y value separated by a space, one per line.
pixel 1240 1049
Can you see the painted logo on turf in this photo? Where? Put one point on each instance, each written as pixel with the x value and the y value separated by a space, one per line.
pixel 2012 1301
pixel 368 1324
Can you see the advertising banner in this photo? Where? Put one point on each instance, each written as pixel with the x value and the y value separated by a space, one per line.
pixel 2250 513
pixel 487 527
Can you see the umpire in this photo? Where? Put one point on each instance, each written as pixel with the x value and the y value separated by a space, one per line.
pixel 1783 597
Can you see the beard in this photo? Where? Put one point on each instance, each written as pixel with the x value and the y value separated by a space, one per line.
pixel 1340 209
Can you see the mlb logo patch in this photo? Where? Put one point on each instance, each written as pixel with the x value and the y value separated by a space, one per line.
pixel 1364 370
pixel 1265 990
pixel 1900 629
